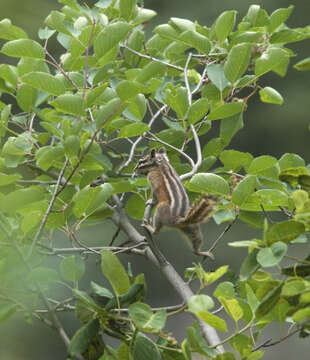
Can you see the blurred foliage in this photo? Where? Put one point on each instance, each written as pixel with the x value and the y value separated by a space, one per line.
pixel 280 183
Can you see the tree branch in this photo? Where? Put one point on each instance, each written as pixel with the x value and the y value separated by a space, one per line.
pixel 120 219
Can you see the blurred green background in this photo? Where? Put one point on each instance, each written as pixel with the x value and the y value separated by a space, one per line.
pixel 269 129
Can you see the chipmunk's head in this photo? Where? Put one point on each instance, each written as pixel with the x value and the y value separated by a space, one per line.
pixel 151 161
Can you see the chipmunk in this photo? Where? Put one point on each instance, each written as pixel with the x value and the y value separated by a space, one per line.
pixel 173 207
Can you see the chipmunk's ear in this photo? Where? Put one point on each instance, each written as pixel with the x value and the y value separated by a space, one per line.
pixel 162 151
pixel 153 153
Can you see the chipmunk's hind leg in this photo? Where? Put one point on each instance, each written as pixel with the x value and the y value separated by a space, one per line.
pixel 193 233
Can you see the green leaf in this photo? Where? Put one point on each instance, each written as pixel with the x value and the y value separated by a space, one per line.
pixel 72 268
pixel 235 160
pixel 290 160
pixel 85 299
pixel 225 290
pixel 8 179
pixel 222 216
pixel 237 61
pixel 273 197
pixel 273 59
pixel 10 32
pixel 150 71
pixel 145 349
pixel 230 126
pixel 255 355
pixel 23 48
pixel 109 111
pixel 109 37
pixel 211 277
pixel 127 89
pixel 56 20
pixel 261 163
pixel 251 297
pixel 9 309
pixel 271 256
pixel 93 94
pixel 269 301
pixel 247 37
pixel 216 74
pixel 114 271
pixel 83 337
pixel 44 81
pixel 101 291
pixel 249 266
pixel 18 199
pixel 166 31
pixel 200 303
pixel 137 107
pixel 145 319
pixel 198 110
pixel 69 104
pixel 72 146
pixel 135 207
pixel 299 315
pixel 243 243
pixel 209 183
pixel 232 308
pixel 196 40
pixel 47 155
pixel 133 130
pixel 26 97
pixel 9 74
pixel 197 342
pixel 244 189
pixel 278 17
pixel 212 320
pixel 287 36
pixel 46 33
pixel 127 9
pixel 144 15
pixel 224 24
pixel 242 344
pixel 293 287
pixel 26 65
pixel 284 231
pixel 270 95
pixel 226 110
pixel 257 17
pixel 90 199
pixel 303 65
pixel 43 275
pixel 178 100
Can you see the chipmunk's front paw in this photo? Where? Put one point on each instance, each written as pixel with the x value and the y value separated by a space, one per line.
pixel 150 202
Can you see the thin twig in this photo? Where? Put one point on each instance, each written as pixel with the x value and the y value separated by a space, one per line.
pixel 182 153
pixel 135 144
pixel 49 208
pixel 86 71
pixel 227 228
pixel 192 128
pixel 55 64
pixel 31 122
pixel 179 68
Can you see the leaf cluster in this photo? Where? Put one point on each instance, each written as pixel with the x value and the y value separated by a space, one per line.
pixel 71 132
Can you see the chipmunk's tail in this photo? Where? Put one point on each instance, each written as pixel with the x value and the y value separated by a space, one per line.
pixel 201 210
